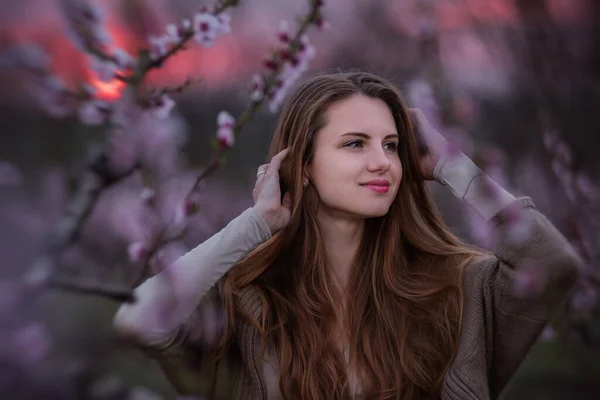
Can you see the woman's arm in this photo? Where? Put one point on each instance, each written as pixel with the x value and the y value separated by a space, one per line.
pixel 471 184
pixel 513 321
pixel 165 301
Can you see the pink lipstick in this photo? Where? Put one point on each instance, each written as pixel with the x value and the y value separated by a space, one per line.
pixel 378 185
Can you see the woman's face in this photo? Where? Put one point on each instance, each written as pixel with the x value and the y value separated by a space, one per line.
pixel 355 166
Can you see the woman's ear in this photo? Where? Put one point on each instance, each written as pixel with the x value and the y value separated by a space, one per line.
pixel 305 177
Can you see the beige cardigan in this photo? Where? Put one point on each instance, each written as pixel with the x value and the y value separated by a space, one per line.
pixel 499 327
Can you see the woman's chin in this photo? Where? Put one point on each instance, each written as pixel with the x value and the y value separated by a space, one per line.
pixel 373 212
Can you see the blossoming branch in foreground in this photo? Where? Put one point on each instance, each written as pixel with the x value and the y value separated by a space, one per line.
pixel 288 64
pixel 205 29
pixel 285 66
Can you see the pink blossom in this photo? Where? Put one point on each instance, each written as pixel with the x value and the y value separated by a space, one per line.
pixel 224 24
pixel 27 56
pixel 137 251
pixel 93 112
pixel 518 223
pixel 86 24
pixel 225 134
pixel 420 95
pixel 529 281
pixel 291 70
pixel 124 59
pixel 482 232
pixel 173 34
pixel 100 35
pixel 257 87
pixel 585 298
pixel 206 28
pixel 307 51
pixel 586 187
pixel 548 334
pixel 183 210
pixel 105 70
pixel 190 207
pixel 284 32
pixel 159 46
pixel 225 120
pixel 163 106
pixel 226 137
pixel 53 96
pixel 257 81
pixel 157 263
pixel 148 195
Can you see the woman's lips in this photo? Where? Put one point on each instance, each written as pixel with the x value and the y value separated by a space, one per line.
pixel 378 185
pixel 378 188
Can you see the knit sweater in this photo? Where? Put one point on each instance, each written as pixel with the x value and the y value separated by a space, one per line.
pixel 499 327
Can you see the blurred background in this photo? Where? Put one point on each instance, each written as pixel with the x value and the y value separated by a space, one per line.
pixel 497 76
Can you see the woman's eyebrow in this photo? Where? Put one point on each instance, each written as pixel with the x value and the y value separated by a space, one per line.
pixel 365 136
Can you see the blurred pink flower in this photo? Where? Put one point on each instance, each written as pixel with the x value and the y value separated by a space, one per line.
pixel 284 32
pixel 105 70
pixel 28 56
pixel 86 23
pixel 159 46
pixel 257 87
pixel 182 211
pixel 162 106
pixel 137 251
pixel 420 95
pixel 124 59
pixel 518 223
pixel 481 231
pixel 93 112
pixel 291 70
pixel 148 195
pixel 225 124
pixel 587 188
pixel 52 94
pixel 206 28
pixel 529 281
pixel 548 334
pixel 173 35
pixel 585 298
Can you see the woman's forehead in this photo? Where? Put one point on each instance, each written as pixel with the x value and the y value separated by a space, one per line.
pixel 362 114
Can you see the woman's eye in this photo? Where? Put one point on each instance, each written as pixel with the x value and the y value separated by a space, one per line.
pixel 392 146
pixel 354 144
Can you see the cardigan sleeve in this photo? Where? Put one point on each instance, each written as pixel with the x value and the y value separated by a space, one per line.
pixel 513 321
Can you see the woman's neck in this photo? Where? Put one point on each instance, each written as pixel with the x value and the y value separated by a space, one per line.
pixel 342 237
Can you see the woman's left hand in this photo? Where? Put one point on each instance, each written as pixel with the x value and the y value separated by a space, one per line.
pixel 437 145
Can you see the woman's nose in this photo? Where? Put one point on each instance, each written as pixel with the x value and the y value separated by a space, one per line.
pixel 379 161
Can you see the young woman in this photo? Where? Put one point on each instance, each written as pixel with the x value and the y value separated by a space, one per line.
pixel 350 285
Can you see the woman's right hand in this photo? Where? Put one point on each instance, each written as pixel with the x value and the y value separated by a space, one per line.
pixel 267 194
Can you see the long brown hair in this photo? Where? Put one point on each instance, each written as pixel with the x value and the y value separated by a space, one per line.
pixel 404 316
